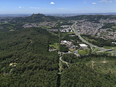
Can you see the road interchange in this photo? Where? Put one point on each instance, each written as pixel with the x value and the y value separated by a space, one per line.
pixel 91 45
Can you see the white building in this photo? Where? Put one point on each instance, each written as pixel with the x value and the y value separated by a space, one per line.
pixel 83 45
pixel 66 42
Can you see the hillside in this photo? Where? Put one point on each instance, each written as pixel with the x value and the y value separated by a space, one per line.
pixel 94 18
pixel 25 60
pixel 34 18
pixel 41 18
pixel 89 71
pixel 18 22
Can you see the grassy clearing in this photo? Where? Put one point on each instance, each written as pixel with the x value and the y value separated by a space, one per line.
pixel 103 65
pixel 87 39
pixel 70 33
pixel 104 33
pixel 83 52
pixel 114 27
pixel 53 33
pixel 55 45
pixel 11 30
pixel 95 49
pixel 72 50
pixel 46 27
pixel 63 34
pixel 114 48
pixel 107 47
pixel 60 66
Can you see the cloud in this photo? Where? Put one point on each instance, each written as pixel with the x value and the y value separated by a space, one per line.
pixel 108 1
pixel 20 7
pixel 52 3
pixel 94 3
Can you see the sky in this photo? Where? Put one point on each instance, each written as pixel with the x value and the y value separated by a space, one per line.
pixel 57 6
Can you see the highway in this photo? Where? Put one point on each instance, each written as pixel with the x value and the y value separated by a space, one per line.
pixel 91 45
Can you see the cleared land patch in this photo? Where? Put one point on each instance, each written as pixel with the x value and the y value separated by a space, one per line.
pixel 83 52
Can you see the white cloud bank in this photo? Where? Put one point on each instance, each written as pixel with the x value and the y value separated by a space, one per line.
pixel 52 3
pixel 20 7
pixel 94 3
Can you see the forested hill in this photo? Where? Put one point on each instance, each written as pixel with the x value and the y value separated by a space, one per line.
pixel 25 60
pixel 35 18
pixel 91 17
pixel 41 18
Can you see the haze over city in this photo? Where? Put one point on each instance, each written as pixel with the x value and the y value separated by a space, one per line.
pixel 56 6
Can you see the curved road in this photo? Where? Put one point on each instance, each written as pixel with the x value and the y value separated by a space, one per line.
pixel 64 61
pixel 91 45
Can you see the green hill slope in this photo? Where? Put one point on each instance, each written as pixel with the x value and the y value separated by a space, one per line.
pixel 25 60
pixel 34 18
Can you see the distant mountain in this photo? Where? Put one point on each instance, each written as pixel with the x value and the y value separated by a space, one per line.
pixel 91 17
pixel 41 18
pixel 75 14
pixel 35 18
pixel 14 15
pixel 94 18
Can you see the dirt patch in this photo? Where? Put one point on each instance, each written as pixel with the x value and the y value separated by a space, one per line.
pixel 113 26
pixel 104 61
pixel 92 61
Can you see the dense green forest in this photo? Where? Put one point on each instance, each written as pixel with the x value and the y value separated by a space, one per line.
pixel 98 41
pixel 40 18
pixel 94 18
pixel 83 74
pixel 34 18
pixel 25 60
pixel 18 22
pixel 108 25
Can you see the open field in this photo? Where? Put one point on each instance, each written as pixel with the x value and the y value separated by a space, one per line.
pixel 83 52
pixel 114 27
pixel 114 48
pixel 71 33
pixel 60 66
pixel 89 40
pixel 72 50
pixel 107 47
pixel 55 45
pixel 46 27
pixel 95 49
pixel 103 65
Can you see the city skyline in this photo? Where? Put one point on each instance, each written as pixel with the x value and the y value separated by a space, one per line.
pixel 56 6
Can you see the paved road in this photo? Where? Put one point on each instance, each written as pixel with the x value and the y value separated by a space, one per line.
pixel 91 45
pixel 76 53
pixel 64 61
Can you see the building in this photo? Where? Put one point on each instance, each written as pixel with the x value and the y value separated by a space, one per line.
pixel 65 42
pixel 83 45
